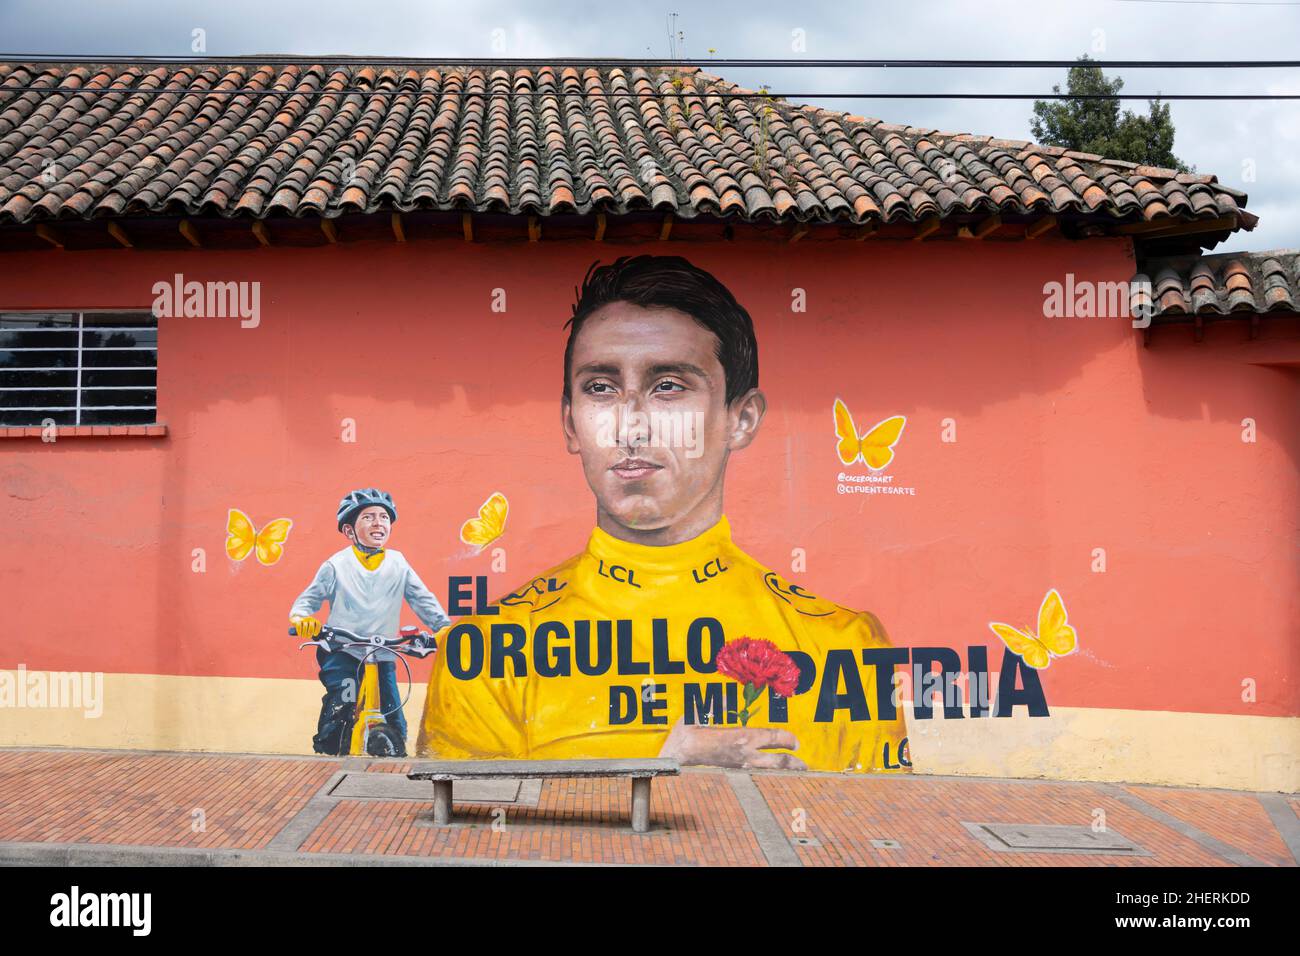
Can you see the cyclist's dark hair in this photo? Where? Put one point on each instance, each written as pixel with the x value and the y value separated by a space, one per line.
pixel 672 282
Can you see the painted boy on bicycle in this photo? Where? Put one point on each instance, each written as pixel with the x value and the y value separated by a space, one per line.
pixel 365 585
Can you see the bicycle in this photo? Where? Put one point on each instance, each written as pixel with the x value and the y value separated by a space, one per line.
pixel 370 733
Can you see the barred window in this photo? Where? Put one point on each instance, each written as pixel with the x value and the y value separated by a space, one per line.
pixel 78 368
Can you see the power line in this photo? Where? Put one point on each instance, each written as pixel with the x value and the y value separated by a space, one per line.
pixel 1221 3
pixel 628 62
pixel 605 94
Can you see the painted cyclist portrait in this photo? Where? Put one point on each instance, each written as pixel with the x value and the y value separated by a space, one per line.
pixel 619 650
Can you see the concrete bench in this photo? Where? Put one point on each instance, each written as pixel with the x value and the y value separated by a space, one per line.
pixel 444 773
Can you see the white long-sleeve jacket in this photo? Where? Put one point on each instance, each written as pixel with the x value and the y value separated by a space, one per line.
pixel 369 602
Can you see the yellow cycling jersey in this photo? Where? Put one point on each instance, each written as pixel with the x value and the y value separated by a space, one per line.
pixel 602 655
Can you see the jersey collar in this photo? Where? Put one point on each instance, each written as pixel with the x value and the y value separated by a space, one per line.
pixel 661 558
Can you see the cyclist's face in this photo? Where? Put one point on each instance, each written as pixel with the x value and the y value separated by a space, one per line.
pixel 649 417
pixel 372 527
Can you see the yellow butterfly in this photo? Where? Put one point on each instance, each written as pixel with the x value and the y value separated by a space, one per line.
pixel 1055 637
pixel 876 447
pixel 490 523
pixel 242 538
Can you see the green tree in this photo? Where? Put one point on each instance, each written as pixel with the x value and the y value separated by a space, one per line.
pixel 1098 126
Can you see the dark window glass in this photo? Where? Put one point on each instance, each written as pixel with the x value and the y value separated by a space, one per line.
pixel 23 378
pixel 10 416
pixel 116 358
pixel 116 396
pixel 117 416
pixel 119 338
pixel 19 398
pixel 38 320
pixel 42 359
pixel 132 377
pixel 141 320
pixel 30 339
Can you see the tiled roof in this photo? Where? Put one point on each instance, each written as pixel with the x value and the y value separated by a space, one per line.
pixel 1233 282
pixel 119 141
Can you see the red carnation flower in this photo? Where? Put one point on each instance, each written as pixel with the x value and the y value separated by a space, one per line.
pixel 758 664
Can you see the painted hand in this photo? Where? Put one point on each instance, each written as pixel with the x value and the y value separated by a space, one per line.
pixel 740 747
pixel 308 627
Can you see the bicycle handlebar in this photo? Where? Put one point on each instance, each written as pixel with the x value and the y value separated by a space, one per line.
pixel 413 643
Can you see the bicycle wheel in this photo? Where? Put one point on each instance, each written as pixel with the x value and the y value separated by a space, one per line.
pixel 384 741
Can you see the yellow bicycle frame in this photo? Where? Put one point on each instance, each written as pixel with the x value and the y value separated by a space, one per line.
pixel 369 710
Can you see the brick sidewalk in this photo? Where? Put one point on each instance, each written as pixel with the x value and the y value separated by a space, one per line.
pixel 68 806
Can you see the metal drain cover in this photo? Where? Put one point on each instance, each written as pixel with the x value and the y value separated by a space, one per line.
pixel 395 786
pixel 1052 838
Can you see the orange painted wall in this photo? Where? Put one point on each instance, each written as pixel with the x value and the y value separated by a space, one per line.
pixel 1071 436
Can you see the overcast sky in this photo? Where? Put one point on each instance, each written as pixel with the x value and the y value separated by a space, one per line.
pixel 1229 139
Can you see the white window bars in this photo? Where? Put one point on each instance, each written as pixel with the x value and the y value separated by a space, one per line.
pixel 78 368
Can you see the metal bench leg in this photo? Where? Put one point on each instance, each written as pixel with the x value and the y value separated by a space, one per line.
pixel 640 804
pixel 442 802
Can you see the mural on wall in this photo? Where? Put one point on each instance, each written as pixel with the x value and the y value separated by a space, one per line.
pixel 662 637
pixel 490 523
pixel 875 448
pixel 242 539
pixel 358 648
pixel 621 650
pixel 995 494
pixel 1054 638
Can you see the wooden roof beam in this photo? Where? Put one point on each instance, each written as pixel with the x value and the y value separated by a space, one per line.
pixel 1040 226
pixel 117 232
pixel 50 235
pixel 1164 227
pixel 191 234
pixel 926 228
pixel 262 233
pixel 980 229
pixel 331 231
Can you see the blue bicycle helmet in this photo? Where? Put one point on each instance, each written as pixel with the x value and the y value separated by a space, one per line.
pixel 353 503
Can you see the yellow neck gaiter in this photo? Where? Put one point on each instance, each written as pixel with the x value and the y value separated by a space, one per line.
pixel 369 561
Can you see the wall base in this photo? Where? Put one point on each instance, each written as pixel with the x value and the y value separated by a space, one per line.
pixel 261 715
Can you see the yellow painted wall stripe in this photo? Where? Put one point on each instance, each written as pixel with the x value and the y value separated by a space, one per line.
pixel 263 715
